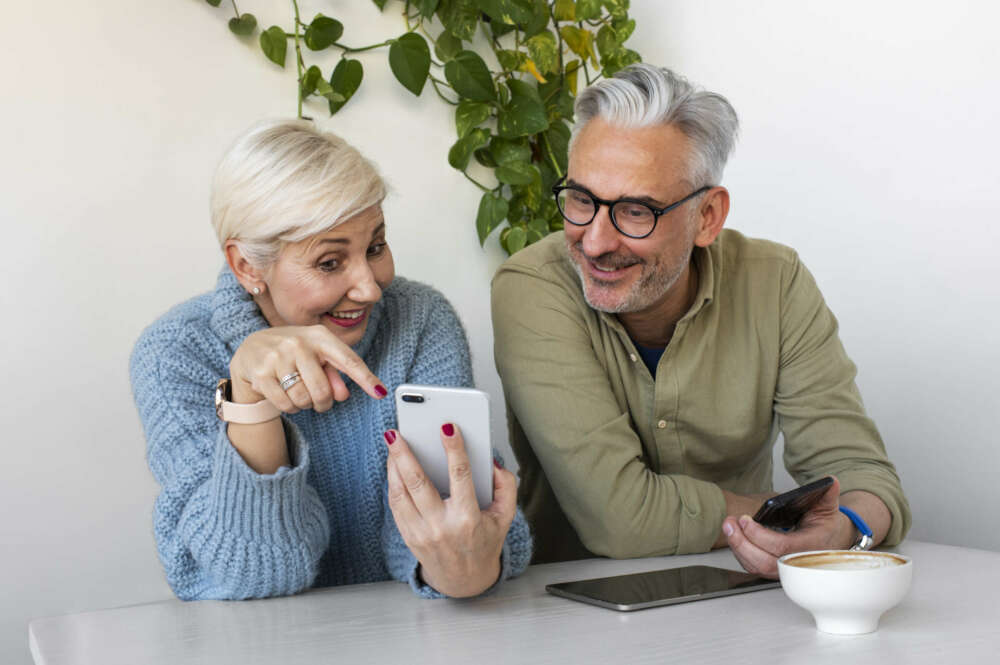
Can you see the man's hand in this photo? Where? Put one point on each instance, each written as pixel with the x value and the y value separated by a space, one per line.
pixel 758 548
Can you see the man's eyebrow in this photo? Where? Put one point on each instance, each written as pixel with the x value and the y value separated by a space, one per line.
pixel 656 203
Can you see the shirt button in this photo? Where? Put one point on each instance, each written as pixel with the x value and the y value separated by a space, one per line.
pixel 662 424
pixel 632 357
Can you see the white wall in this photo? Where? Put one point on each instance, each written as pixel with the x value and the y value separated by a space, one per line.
pixel 868 144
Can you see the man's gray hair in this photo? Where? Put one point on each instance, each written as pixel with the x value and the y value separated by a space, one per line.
pixel 643 95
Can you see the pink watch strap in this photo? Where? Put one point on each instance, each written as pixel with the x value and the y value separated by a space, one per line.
pixel 249 414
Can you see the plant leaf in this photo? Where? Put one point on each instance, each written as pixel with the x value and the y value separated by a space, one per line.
pixel 517 173
pixel 274 44
pixel 579 41
pixel 427 7
pixel 447 46
pixel 346 79
pixel 510 60
pixel 469 115
pixel 410 61
pixel 505 151
pixel 588 9
pixel 539 19
pixel 309 80
pixel 517 239
pixel 544 51
pixel 214 3
pixel 525 115
pixel 507 11
pixel 380 4
pixel 564 10
pixel 244 25
pixel 459 154
pixel 538 228
pixel 492 211
pixel 459 17
pixel 323 32
pixel 484 157
pixel 469 76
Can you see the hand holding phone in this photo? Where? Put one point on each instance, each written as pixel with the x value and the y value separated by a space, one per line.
pixel 785 510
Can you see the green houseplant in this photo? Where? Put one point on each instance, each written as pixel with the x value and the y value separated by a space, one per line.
pixel 513 109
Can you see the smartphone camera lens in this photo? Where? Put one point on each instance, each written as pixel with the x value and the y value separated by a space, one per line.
pixel 413 398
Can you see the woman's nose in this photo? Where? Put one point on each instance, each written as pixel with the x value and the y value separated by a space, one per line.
pixel 364 288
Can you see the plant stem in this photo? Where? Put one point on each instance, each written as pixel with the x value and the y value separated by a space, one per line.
pixel 552 157
pixel 435 82
pixel 235 9
pixel 348 49
pixel 476 182
pixel 298 55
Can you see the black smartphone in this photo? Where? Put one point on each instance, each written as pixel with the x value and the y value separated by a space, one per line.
pixel 638 591
pixel 785 510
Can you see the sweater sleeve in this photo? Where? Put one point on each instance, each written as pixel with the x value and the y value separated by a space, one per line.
pixel 222 530
pixel 442 358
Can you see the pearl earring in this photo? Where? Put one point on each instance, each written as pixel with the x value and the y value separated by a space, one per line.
pixel 256 290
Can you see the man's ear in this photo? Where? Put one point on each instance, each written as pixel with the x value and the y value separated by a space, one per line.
pixel 712 215
pixel 246 274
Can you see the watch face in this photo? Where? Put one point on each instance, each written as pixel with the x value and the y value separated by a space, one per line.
pixel 221 395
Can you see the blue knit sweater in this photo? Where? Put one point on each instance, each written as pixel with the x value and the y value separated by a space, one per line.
pixel 225 532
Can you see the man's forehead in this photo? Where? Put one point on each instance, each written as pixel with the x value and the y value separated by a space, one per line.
pixel 635 162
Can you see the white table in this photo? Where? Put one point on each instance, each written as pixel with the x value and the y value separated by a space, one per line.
pixel 951 615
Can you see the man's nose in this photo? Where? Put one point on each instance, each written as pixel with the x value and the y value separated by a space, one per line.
pixel 600 236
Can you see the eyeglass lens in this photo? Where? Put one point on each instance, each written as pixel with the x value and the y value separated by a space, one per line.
pixel 633 219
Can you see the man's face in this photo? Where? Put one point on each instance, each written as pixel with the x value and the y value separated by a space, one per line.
pixel 621 274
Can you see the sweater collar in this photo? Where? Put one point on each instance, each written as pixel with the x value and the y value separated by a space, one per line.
pixel 235 315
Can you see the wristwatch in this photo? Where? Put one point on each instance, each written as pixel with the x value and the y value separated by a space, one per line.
pixel 241 414
pixel 865 540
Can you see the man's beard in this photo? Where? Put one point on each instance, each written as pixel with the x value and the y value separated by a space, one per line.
pixel 654 280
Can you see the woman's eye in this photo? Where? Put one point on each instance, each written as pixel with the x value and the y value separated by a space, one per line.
pixel 329 265
pixel 377 249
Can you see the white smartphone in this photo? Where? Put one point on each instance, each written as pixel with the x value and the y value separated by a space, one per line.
pixel 420 413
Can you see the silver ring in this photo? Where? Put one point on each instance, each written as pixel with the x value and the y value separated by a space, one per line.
pixel 290 380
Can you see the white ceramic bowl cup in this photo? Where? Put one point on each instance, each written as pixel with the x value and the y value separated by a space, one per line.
pixel 846 592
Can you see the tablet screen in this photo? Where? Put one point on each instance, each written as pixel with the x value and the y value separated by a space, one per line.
pixel 661 587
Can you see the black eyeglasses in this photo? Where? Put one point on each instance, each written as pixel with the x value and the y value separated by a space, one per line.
pixel 631 217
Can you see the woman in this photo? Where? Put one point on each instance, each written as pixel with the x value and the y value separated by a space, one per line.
pixel 298 479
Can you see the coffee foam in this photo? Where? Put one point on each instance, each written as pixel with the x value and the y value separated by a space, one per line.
pixel 846 560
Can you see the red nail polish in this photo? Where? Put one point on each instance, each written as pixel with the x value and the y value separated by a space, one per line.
pixel 382 392
pixel 390 436
pixel 497 464
pixel 448 429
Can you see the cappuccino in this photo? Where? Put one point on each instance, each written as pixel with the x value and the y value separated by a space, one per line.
pixel 846 560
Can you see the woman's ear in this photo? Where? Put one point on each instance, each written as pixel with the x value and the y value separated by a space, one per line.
pixel 249 277
pixel 712 215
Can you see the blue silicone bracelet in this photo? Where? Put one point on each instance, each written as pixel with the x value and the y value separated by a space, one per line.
pixel 858 522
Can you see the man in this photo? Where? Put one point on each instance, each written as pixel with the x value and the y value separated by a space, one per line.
pixel 650 358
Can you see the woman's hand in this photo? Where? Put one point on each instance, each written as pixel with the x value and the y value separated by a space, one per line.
pixel 457 544
pixel 268 355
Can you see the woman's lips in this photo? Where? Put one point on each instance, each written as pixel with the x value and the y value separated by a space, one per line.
pixel 346 322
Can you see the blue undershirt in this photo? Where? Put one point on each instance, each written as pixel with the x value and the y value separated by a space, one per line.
pixel 650 355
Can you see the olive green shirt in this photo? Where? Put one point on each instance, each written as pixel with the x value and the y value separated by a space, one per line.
pixel 615 462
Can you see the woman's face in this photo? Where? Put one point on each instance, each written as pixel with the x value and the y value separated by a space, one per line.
pixel 333 278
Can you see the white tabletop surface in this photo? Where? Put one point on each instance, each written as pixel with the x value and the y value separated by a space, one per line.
pixel 951 615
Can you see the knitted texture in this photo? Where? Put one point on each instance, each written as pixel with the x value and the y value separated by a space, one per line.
pixel 224 531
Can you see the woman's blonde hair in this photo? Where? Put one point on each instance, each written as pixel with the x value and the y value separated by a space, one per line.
pixel 284 181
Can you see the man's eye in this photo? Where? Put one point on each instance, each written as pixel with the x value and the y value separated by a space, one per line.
pixel 581 199
pixel 377 249
pixel 329 265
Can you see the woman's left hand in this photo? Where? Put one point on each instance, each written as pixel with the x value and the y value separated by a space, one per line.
pixel 457 544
